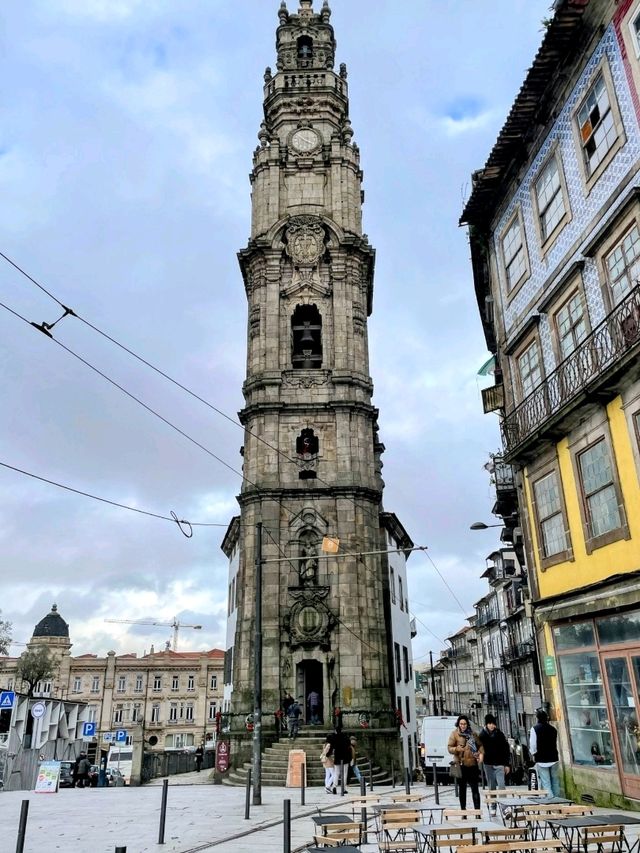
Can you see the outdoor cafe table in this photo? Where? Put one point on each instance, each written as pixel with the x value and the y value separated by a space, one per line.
pixel 517 804
pixel 425 832
pixel 414 807
pixel 570 825
pixel 325 820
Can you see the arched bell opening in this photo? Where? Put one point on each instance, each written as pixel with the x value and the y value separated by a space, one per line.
pixel 306 332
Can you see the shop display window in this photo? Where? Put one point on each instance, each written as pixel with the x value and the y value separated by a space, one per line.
pixel 621 628
pixel 587 715
pixel 575 635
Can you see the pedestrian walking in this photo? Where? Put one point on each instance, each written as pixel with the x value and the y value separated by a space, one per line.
pixel 341 757
pixel 496 756
pixel 467 752
pixel 84 765
pixel 199 757
pixel 313 700
pixel 326 757
pixel 353 764
pixel 543 745
pixel 293 713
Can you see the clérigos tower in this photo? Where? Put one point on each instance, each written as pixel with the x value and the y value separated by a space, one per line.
pixel 311 455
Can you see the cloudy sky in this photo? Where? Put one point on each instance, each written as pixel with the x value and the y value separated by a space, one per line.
pixel 126 134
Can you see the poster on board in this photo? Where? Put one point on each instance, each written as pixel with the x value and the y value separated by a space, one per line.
pixel 48 777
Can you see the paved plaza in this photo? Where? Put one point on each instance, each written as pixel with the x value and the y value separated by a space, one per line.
pixel 200 817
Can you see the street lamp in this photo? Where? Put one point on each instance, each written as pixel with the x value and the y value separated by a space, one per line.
pixel 480 525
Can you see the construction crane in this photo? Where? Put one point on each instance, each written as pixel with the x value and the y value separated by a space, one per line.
pixel 175 624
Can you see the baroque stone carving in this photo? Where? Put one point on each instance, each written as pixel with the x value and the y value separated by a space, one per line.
pixel 310 621
pixel 301 379
pixel 305 240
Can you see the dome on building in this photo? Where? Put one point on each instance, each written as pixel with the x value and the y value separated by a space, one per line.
pixel 53 625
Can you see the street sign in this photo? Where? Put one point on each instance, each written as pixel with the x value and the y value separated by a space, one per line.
pixel 121 736
pixel 7 699
pixel 89 730
pixel 107 737
pixel 222 756
pixel 549 665
pixel 38 710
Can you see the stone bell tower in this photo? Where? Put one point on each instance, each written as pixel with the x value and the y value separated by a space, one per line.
pixel 311 452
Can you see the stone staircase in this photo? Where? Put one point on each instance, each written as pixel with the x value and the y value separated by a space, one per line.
pixel 275 761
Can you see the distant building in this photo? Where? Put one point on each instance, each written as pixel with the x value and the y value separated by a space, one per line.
pixel 172 695
pixel 554 228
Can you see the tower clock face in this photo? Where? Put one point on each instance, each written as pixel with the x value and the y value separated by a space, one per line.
pixel 304 140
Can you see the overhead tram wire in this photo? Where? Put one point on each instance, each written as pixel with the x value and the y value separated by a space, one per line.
pixel 187 390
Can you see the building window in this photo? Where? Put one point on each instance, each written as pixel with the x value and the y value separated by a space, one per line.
pixel 118 714
pixel 636 427
pixel 122 684
pixel 549 199
pixel 306 331
pixel 191 682
pixel 623 265
pixel 407 705
pixel 43 688
pixel 155 713
pixel 634 27
pixel 596 125
pixel 396 652
pixel 138 687
pixel 175 682
pixel 599 490
pixel 551 526
pixel 392 583
pixel 514 252
pixel 157 682
pixel 173 712
pixel 188 712
pixel 400 593
pixel 95 684
pixel 93 714
pixel 214 682
pixel 77 684
pixel 405 660
pixel 571 326
pixel 213 710
pixel 136 714
pixel 529 369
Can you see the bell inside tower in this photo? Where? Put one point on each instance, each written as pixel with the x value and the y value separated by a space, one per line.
pixel 306 329
pixel 305 51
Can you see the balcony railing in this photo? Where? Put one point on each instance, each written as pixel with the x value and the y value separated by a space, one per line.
pixel 503 475
pixel 617 335
pixel 516 652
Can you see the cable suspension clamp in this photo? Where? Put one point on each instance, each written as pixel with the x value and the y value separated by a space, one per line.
pixel 45 327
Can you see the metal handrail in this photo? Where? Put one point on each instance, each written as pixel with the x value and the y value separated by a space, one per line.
pixel 616 335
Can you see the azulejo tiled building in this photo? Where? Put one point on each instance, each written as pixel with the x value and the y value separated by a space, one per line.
pixel 311 455
pixel 173 696
pixel 554 226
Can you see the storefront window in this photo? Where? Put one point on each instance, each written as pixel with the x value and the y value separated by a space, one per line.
pixel 574 636
pixel 625 713
pixel 621 628
pixel 587 716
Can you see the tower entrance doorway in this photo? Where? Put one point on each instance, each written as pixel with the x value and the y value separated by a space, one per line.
pixel 309 684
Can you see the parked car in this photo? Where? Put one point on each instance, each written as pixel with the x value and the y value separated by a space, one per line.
pixel 115 777
pixel 66 774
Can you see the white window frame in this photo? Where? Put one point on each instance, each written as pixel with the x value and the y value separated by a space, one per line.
pixel 508 259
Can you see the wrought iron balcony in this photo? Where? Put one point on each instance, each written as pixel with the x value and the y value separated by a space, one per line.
pixel 503 475
pixel 612 339
pixel 515 652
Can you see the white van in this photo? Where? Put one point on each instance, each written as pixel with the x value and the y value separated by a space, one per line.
pixel 121 758
pixel 433 746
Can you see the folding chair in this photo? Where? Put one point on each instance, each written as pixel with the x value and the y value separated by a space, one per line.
pixel 601 839
pixel 453 839
pixel 396 831
pixel 462 814
pixel 338 834
pixel 503 834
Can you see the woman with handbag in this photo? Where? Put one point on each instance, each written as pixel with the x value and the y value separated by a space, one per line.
pixel 467 754
pixel 326 757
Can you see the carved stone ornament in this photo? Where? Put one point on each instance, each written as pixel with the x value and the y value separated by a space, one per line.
pixel 310 621
pixel 303 379
pixel 305 240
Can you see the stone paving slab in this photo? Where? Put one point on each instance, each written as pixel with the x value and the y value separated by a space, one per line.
pixel 200 817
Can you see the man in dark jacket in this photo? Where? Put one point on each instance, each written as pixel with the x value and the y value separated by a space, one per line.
pixel 497 755
pixel 543 744
pixel 341 753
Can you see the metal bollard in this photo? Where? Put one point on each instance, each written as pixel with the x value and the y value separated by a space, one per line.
pixel 163 810
pixel 342 779
pixel 407 780
pixel 370 775
pixel 121 850
pixel 302 775
pixel 287 827
pixel 247 798
pixel 393 775
pixel 22 826
pixel 435 783
pixel 363 810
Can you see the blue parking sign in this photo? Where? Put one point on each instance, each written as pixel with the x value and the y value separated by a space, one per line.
pixel 7 699
pixel 89 730
pixel 121 736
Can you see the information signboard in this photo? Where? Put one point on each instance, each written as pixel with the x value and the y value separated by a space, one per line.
pixel 48 777
pixel 297 759
pixel 223 756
